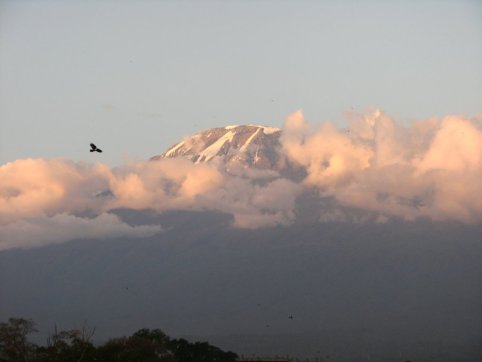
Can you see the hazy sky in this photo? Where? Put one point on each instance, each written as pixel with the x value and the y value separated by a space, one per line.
pixel 135 77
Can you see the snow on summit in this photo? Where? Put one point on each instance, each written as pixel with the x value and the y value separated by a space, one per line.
pixel 266 130
pixel 244 145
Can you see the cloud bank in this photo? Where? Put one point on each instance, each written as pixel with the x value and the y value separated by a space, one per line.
pixel 426 169
pixel 45 230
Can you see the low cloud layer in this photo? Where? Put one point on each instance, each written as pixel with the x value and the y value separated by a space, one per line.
pixel 430 169
pixel 43 230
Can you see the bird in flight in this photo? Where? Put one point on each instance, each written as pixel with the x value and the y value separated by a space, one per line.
pixel 93 148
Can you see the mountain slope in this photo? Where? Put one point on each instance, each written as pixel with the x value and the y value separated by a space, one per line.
pixel 355 290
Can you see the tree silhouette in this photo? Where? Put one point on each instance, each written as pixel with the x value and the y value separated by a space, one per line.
pixel 145 345
pixel 13 340
pixel 200 352
pixel 70 345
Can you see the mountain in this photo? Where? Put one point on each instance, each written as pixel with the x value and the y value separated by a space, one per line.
pixel 232 146
pixel 391 291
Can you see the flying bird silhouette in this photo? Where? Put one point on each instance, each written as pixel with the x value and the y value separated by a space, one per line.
pixel 93 148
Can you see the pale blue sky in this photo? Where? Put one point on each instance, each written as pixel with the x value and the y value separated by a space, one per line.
pixel 137 76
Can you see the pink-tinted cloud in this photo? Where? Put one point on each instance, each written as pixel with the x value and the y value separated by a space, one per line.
pixel 48 187
pixel 50 197
pixel 331 158
pixel 426 169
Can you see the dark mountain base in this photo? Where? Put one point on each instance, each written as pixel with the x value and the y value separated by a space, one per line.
pixel 367 292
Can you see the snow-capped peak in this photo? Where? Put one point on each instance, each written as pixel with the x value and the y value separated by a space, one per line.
pixel 245 145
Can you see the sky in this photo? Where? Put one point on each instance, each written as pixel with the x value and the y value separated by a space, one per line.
pixel 136 77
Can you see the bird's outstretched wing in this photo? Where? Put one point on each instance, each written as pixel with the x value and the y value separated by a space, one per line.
pixel 94 148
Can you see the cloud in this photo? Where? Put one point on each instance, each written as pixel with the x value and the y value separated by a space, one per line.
pixel 34 187
pixel 43 230
pixel 428 169
pixel 42 200
pixel 162 185
pixel 254 205
pixel 373 170
pixel 330 157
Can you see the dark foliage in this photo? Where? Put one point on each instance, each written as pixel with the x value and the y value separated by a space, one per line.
pixel 13 340
pixel 72 345
pixel 199 351
pixel 144 345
